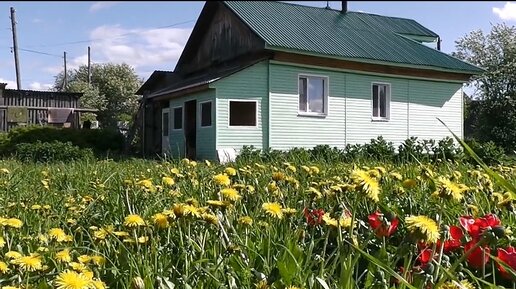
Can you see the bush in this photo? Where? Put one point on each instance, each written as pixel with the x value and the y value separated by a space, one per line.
pixel 379 149
pixel 51 151
pixel 411 148
pixel 447 150
pixel 489 152
pixel 99 140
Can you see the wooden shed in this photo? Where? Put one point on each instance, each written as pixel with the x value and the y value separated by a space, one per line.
pixel 31 107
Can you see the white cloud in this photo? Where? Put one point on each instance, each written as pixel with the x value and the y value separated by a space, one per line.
pixel 40 86
pixel 508 12
pixel 144 49
pixel 102 5
pixel 10 83
pixel 36 20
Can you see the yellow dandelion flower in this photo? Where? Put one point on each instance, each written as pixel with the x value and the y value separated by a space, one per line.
pixel 289 211
pixel 191 210
pixel 4 171
pixel 42 249
pixel 292 287
pixel 35 207
pixel 137 283
pixel 29 263
pixel 134 220
pixel 2 242
pixel 121 234
pixel 98 284
pixel 314 170
pixel 272 187
pixel 143 239
pixel 161 221
pixel 79 267
pixel 273 209
pixel 4 268
pixel 98 260
pixel 278 176
pixel 423 228
pixel 374 174
pixel 72 280
pixel 11 287
pixel 210 218
pixel 245 220
pixel 222 179
pixel 168 181
pixel 84 259
pixel 13 255
pixel 218 204
pixel 231 194
pixel 328 220
pixel 367 184
pixel 230 171
pixel 262 284
pixel 147 183
pixel 449 190
pixel 464 284
pixel 57 234
pixel 13 223
pixel 305 168
pixel 63 256
pixel 409 183
pixel 396 176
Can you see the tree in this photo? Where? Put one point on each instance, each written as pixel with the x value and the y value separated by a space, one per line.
pixel 493 112
pixel 111 91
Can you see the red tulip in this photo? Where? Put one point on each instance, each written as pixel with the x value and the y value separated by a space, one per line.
pixel 479 254
pixel 313 217
pixel 508 256
pixel 425 255
pixel 380 227
pixel 475 227
pixel 454 242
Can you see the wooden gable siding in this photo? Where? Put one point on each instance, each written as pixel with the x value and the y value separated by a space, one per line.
pixel 218 36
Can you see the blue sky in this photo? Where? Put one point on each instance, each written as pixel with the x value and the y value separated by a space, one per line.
pixel 151 35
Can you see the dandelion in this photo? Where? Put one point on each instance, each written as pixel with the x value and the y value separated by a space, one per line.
pixel 138 283
pixel 4 268
pixel 168 181
pixel 396 176
pixel 278 176
pixel 2 242
pixel 222 179
pixel 13 255
pixel 98 260
pixel 409 183
pixel 218 204
pixel 289 211
pixel 98 284
pixel 84 259
pixel 449 190
pixel 134 220
pixel 13 223
pixel 464 284
pixel 245 220
pixel 262 284
pixel 369 185
pixel 57 234
pixel 292 287
pixel 231 194
pixel 230 171
pixel 423 228
pixel 314 170
pixel 72 280
pixel 29 263
pixel 63 256
pixel 210 218
pixel 79 267
pixel 161 221
pixel 4 171
pixel 273 209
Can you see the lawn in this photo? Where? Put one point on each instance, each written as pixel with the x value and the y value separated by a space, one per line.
pixel 182 224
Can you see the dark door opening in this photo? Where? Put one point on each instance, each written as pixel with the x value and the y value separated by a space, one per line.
pixel 190 128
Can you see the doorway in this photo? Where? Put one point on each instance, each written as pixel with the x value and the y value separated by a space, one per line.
pixel 165 128
pixel 190 129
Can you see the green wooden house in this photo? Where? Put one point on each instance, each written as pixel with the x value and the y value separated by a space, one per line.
pixel 278 75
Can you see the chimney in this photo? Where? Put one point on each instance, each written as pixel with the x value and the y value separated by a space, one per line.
pixel 344 7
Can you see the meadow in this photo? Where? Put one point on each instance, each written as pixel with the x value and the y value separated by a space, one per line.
pixel 253 224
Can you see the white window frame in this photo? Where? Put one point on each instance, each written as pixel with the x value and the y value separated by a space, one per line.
pixel 243 126
pixel 174 118
pixel 325 95
pixel 387 102
pixel 200 114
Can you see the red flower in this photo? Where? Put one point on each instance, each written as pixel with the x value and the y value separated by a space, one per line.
pixel 475 227
pixel 508 256
pixel 380 227
pixel 454 242
pixel 313 217
pixel 478 255
pixel 425 255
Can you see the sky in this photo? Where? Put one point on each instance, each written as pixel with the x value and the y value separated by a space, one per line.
pixel 151 35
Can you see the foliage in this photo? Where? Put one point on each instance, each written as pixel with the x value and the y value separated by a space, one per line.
pixel 277 225
pixel 492 116
pixel 111 92
pixel 100 141
pixel 489 152
pixel 51 152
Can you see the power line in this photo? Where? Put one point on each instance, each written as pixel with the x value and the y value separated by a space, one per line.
pixel 39 52
pixel 99 39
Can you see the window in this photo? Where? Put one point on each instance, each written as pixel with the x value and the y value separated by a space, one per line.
pixel 242 113
pixel 165 123
pixel 178 118
pixel 206 114
pixel 381 101
pixel 313 94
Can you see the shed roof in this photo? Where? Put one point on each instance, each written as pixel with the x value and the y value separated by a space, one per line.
pixel 352 35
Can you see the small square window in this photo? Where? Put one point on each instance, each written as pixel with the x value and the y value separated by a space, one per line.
pixel 178 118
pixel 313 94
pixel 381 101
pixel 206 114
pixel 242 113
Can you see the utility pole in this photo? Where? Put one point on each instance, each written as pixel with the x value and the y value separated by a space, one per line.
pixel 15 48
pixel 89 67
pixel 65 78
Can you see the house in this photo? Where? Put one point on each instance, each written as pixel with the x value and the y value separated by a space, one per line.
pixel 279 75
pixel 30 107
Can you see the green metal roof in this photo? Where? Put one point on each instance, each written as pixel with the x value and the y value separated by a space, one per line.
pixel 352 35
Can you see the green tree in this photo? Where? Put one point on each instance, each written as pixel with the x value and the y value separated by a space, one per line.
pixel 493 112
pixel 111 91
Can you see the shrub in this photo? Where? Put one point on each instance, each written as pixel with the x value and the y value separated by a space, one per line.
pixel 379 149
pixel 446 149
pixel 411 148
pixel 99 140
pixel 489 152
pixel 51 151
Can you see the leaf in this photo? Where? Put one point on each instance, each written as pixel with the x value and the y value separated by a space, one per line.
pixel 322 282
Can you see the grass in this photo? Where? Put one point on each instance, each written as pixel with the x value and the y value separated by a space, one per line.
pixel 195 244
